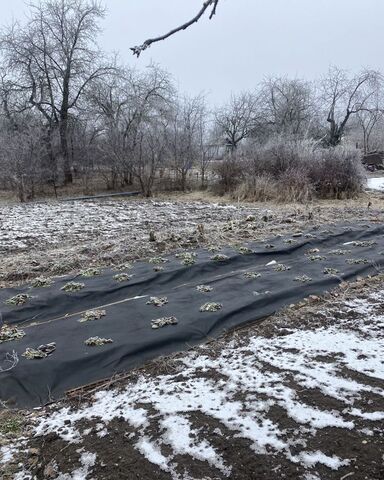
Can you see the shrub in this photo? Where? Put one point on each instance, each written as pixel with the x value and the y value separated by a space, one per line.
pixel 337 173
pixel 287 170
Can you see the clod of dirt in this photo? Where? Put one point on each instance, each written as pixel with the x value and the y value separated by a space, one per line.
pixel 40 352
pixel 97 341
pixel 7 333
pixel 157 301
pixel 91 315
pixel 18 300
pixel 163 322
pixel 211 307
pixel 73 287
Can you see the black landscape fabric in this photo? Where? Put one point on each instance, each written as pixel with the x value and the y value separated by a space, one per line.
pixel 249 284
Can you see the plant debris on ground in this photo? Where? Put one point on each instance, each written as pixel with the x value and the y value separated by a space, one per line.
pixel 40 352
pixel 211 307
pixel 9 333
pixel 19 299
pixel 97 341
pixel 157 301
pixel 163 322
pixel 91 315
pixel 73 287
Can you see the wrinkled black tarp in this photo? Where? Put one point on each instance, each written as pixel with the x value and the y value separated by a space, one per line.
pixel 52 315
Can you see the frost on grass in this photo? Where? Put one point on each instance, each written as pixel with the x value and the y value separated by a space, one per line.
pixel 187 258
pixel 251 275
pixel 157 260
pixel 8 333
pixel 41 282
pixel 163 322
pixel 211 307
pixel 157 301
pixel 303 279
pixel 71 287
pixel 204 288
pixel 219 257
pixel 252 378
pixel 280 267
pixel 97 341
pixel 331 271
pixel 40 352
pixel 90 272
pixel 17 300
pixel 122 277
pixel 91 315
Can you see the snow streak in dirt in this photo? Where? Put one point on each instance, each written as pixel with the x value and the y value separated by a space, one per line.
pixel 239 387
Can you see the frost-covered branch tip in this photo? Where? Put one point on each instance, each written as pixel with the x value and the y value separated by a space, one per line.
pixel 206 6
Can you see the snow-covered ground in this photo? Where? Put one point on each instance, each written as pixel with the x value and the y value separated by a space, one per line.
pixel 376 183
pixel 30 225
pixel 278 393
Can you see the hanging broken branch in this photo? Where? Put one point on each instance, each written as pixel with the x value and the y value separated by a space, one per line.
pixel 207 4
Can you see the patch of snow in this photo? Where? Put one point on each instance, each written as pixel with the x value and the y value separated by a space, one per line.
pixel 88 461
pixel 151 452
pixel 375 183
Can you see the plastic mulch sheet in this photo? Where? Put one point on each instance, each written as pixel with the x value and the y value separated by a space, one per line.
pixel 244 285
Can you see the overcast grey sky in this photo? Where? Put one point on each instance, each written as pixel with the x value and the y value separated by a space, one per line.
pixel 247 40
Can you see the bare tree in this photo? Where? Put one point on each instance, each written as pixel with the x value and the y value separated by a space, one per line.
pixel 184 136
pixel 287 106
pixel 345 97
pixel 208 4
pixel 238 119
pixel 54 59
pixel 125 104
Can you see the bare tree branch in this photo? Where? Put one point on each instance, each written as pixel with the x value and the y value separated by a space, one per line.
pixel 206 5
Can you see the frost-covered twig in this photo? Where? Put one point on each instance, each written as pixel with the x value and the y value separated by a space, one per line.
pixel 12 359
pixel 208 3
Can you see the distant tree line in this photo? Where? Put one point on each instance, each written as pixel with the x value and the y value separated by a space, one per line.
pixel 69 112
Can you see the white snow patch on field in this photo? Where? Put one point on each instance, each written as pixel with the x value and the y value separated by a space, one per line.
pixel 375 183
pixel 248 381
pixel 25 226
